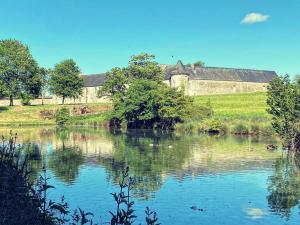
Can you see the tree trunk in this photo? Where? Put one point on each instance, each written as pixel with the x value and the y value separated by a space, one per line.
pixel 295 143
pixel 11 100
pixel 43 97
pixel 63 100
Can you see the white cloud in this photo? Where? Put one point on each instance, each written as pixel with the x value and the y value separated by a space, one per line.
pixel 252 18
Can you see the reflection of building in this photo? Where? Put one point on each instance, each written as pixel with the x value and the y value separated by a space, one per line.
pixel 89 144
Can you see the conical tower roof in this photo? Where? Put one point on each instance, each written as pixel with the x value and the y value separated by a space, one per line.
pixel 180 69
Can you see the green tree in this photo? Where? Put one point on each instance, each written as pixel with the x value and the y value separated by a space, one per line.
pixel 199 64
pixel 65 80
pixel 140 97
pixel 19 72
pixel 115 84
pixel 284 106
pixel 141 66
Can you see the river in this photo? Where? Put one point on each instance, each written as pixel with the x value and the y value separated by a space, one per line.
pixel 187 179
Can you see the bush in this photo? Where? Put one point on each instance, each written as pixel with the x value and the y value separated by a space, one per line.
pixel 240 129
pixel 25 98
pixel 62 116
pixel 213 126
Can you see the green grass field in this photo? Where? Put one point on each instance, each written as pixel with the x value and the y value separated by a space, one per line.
pixel 246 106
pixel 237 113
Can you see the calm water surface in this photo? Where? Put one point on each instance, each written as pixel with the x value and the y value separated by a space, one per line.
pixel 235 180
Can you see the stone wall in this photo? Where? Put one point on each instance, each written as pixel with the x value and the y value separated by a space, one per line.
pixel 210 87
pixel 89 95
pixel 192 88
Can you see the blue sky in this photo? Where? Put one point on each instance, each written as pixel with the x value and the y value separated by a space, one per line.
pixel 101 34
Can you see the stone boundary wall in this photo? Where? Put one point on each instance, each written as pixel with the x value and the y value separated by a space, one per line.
pixel 55 101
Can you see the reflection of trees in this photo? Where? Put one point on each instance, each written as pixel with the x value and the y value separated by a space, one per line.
pixel 62 133
pixel 33 154
pixel 284 185
pixel 149 156
pixel 65 162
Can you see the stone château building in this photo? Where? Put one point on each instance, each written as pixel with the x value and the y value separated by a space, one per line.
pixel 195 80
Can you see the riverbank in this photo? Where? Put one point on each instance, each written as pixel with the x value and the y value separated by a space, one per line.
pixel 232 113
pixel 243 113
pixel 45 114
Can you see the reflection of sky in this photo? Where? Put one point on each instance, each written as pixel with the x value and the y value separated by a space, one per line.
pixel 229 198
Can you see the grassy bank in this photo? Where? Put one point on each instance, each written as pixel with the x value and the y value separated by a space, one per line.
pixel 234 113
pixel 45 114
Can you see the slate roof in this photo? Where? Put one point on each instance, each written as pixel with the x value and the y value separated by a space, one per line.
pixel 200 73
pixel 229 74
pixel 94 80
pixel 220 74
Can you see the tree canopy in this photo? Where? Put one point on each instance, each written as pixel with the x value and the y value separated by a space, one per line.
pixel 199 63
pixel 19 72
pixel 140 97
pixel 284 106
pixel 65 80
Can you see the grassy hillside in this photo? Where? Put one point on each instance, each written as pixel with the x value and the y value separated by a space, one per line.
pixel 246 106
pixel 235 113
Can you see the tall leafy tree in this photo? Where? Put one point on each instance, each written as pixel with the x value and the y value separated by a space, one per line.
pixel 144 66
pixel 65 80
pixel 140 97
pixel 141 66
pixel 19 72
pixel 284 106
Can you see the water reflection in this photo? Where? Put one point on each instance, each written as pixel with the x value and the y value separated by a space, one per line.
pixel 150 156
pixel 64 162
pixel 236 177
pixel 284 185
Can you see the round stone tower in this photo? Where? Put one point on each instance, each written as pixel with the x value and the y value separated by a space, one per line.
pixel 180 77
